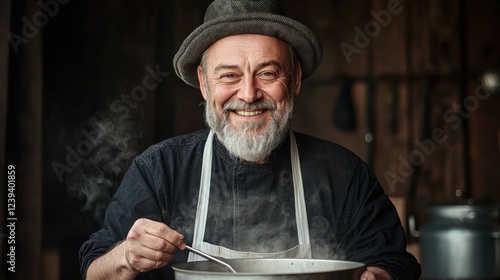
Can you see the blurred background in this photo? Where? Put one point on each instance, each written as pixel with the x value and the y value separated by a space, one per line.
pixel 412 87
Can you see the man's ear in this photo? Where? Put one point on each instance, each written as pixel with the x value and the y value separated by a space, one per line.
pixel 201 79
pixel 298 77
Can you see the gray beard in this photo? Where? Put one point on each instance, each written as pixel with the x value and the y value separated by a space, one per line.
pixel 246 143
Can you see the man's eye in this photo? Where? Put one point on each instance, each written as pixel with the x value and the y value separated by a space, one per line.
pixel 267 75
pixel 228 77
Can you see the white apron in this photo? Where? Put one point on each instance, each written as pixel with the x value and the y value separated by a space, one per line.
pixel 302 250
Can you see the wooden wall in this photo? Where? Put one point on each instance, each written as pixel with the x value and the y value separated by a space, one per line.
pixel 419 69
pixel 405 67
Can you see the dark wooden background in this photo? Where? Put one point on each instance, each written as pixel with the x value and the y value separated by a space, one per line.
pixel 76 59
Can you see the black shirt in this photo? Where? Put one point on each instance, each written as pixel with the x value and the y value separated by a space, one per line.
pixel 251 205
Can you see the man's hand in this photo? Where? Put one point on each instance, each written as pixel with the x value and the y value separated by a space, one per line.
pixel 375 273
pixel 149 245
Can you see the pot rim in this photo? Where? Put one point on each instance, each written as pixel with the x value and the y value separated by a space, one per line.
pixel 352 266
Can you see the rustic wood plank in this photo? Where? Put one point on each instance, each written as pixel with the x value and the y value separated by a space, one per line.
pixel 25 144
pixel 388 24
pixel 4 74
pixel 483 53
pixel 336 23
pixel 185 100
pixel 436 54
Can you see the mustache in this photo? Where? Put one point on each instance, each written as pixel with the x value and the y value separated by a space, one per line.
pixel 257 105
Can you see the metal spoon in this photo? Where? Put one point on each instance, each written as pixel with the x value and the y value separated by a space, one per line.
pixel 210 258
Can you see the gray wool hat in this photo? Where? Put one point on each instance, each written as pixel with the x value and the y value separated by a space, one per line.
pixel 231 17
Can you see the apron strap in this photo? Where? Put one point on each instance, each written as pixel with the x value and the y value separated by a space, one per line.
pixel 204 194
pixel 300 205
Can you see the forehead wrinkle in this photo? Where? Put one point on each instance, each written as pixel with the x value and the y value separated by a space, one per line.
pixel 223 66
pixel 272 62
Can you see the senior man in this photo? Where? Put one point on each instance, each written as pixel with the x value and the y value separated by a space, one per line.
pixel 249 186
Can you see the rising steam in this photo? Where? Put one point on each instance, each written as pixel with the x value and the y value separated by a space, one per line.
pixel 114 143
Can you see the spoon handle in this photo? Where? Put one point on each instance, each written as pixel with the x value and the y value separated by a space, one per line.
pixel 209 257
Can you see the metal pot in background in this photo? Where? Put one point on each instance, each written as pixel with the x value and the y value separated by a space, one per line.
pixel 268 269
pixel 460 242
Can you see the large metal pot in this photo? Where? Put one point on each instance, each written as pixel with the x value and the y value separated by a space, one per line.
pixel 461 242
pixel 270 269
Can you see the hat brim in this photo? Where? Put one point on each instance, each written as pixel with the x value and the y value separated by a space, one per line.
pixel 304 41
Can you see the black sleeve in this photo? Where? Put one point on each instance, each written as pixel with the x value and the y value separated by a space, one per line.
pixel 135 198
pixel 372 231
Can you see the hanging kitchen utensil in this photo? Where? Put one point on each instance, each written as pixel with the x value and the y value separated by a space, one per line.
pixel 344 116
pixel 370 108
pixel 393 123
pixel 411 193
pixel 370 122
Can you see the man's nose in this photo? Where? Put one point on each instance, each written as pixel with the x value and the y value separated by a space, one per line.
pixel 249 91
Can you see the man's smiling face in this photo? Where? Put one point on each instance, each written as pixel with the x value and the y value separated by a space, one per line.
pixel 249 83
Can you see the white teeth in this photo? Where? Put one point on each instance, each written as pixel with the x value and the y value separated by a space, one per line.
pixel 248 113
